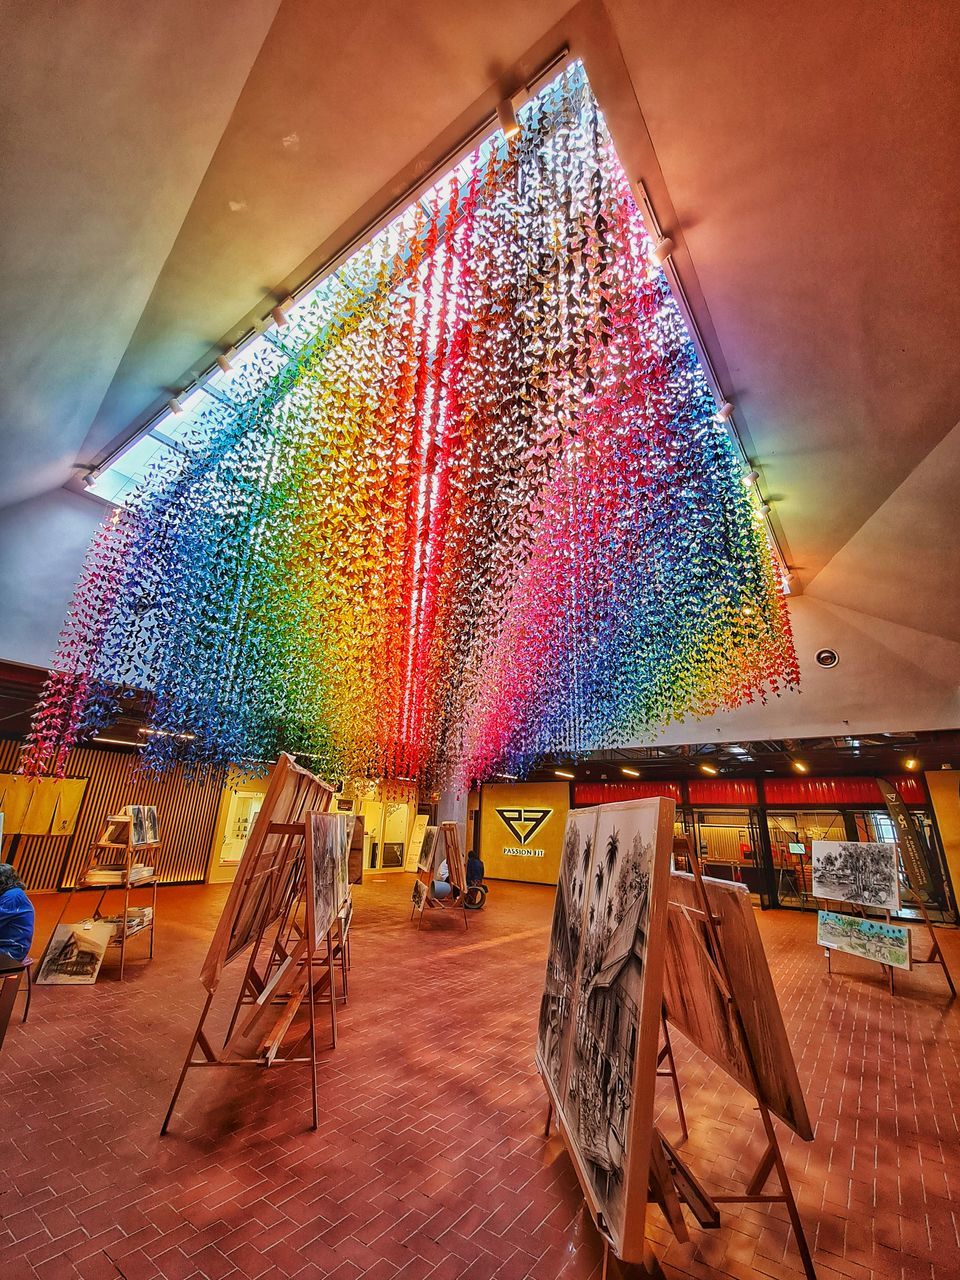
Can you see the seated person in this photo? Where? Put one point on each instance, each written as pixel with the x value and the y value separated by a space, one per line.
pixel 474 869
pixel 16 919
pixel 441 887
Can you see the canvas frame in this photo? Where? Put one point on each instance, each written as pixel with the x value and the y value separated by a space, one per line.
pixel 697 1005
pixel 628 1236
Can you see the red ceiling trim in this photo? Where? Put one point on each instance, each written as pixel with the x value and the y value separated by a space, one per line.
pixel 586 793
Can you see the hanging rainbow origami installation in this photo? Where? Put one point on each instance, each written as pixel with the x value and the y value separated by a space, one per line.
pixel 470 507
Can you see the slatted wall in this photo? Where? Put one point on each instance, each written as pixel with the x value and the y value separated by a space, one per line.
pixel 187 813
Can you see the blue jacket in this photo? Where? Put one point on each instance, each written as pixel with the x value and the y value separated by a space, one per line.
pixel 16 924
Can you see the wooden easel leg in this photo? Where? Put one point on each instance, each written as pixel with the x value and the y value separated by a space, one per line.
pixel 546 1124
pixel 795 1220
pixel 889 969
pixel 672 1070
pixel 153 922
pixel 756 1184
pixel 186 1062
pixel 312 1010
pixel 935 953
pixel 123 925
pixel 333 990
pixel 606 1260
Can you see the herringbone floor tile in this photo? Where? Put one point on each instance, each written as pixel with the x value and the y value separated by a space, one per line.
pixel 429 1161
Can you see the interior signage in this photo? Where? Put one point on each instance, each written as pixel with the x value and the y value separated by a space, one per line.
pixel 523 825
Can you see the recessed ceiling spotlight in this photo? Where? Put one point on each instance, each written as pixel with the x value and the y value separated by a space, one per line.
pixel 662 250
pixel 827 658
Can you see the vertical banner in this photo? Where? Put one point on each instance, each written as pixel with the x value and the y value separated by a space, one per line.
pixel 913 847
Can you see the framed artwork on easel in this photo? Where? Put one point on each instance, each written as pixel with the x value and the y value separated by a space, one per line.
pixel 598 1036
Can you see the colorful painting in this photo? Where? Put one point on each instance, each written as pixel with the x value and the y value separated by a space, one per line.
pixel 871 939
pixel 860 872
pixel 473 503
pixel 600 1015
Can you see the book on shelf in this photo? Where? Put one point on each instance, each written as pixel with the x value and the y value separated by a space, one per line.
pixel 108 875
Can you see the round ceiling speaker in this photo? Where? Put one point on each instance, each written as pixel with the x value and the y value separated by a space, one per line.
pixel 827 657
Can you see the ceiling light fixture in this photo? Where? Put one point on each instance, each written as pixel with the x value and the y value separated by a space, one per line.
pixel 724 413
pixel 564 773
pixel 709 768
pixel 765 509
pixel 800 766
pixel 911 764
pixel 91 478
pixel 631 773
pixel 279 312
pixel 225 360
pixel 174 405
pixel 507 117
pixel 662 250
pixel 750 478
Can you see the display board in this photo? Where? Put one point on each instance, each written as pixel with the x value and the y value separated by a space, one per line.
pixel 696 1003
pixel 598 1035
pixel 266 875
pixel 522 830
pixel 887 944
pixel 860 872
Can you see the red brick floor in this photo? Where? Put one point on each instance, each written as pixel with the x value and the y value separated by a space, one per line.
pixel 429 1161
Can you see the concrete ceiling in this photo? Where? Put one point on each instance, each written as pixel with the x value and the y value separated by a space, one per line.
pixel 163 178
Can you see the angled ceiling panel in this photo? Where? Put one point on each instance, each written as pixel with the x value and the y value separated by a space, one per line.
pixel 111 114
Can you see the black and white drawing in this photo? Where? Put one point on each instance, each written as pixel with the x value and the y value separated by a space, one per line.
pixel 75 954
pixel 859 872
pixel 145 828
pixel 598 1092
pixel 419 895
pixel 324 832
pixel 341 865
pixel 425 861
pixel 565 937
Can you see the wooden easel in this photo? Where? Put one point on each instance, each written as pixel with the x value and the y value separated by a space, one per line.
pixel 114 852
pixel 270 910
pixel 936 955
pixel 671 1182
pixel 772 1159
pixel 449 835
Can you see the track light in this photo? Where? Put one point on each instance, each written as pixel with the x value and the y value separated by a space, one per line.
pixel 564 773
pixel 724 413
pixel 507 117
pixel 751 478
pixel 709 768
pixel 631 773
pixel 764 508
pixel 279 312
pixel 911 764
pixel 174 405
pixel 225 360
pixel 800 766
pixel 662 250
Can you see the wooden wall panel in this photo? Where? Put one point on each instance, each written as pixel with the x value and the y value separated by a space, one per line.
pixel 187 813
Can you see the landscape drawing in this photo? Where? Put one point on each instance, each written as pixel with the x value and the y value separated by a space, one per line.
pixel 425 860
pixel 871 939
pixel 565 937
pixel 856 871
pixel 608 998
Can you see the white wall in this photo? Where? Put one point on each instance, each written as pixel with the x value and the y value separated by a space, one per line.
pixel 42 544
pixel 889 678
